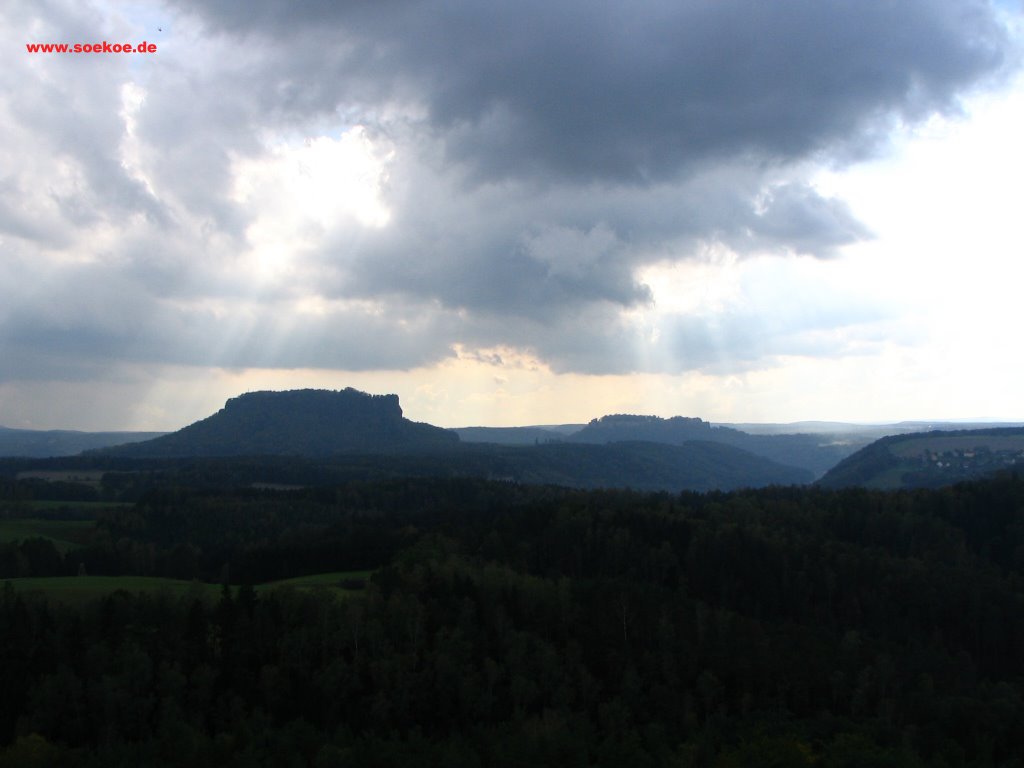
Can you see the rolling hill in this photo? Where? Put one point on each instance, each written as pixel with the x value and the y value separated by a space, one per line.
pixel 62 442
pixel 929 459
pixel 814 453
pixel 532 435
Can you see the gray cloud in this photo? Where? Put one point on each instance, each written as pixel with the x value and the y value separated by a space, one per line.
pixel 600 340
pixel 516 251
pixel 67 333
pixel 796 217
pixel 629 92
pixel 543 154
pixel 69 110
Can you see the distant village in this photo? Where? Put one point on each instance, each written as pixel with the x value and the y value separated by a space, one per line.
pixel 980 458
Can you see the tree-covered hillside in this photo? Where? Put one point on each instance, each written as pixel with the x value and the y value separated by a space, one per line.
pixel 641 466
pixel 510 625
pixel 815 453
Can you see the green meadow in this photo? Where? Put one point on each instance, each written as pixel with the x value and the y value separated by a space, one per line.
pixel 65 534
pixel 332 579
pixel 88 506
pixel 81 589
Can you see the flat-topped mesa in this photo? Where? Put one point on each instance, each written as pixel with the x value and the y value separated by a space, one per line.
pixel 621 426
pixel 335 401
pixel 304 422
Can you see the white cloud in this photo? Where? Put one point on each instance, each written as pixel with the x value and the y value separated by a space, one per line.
pixel 298 193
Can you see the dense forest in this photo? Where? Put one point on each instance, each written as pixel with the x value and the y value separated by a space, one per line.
pixel 695 466
pixel 510 625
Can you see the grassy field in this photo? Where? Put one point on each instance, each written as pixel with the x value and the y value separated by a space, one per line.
pixel 887 480
pixel 88 477
pixel 79 508
pixel 65 534
pixel 90 506
pixel 941 444
pixel 332 579
pixel 81 589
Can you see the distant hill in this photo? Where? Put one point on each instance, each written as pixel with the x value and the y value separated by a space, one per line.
pixel 305 422
pixel 618 427
pixel 648 466
pixel 815 453
pixel 929 459
pixel 695 465
pixel 516 435
pixel 874 430
pixel 312 437
pixel 62 442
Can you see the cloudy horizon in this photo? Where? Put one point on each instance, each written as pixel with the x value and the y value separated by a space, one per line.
pixel 544 213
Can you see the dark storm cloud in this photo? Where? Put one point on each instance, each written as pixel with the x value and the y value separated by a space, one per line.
pixel 542 154
pixel 548 150
pixel 518 252
pixel 500 254
pixel 619 91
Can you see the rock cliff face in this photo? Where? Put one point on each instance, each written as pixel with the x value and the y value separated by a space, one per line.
pixel 306 422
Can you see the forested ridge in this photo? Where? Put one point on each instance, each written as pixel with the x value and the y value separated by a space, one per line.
pixel 647 466
pixel 511 625
pixel 812 452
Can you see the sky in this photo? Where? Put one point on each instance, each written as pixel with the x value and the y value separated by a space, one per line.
pixel 513 213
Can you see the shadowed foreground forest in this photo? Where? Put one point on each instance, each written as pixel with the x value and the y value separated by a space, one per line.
pixel 513 625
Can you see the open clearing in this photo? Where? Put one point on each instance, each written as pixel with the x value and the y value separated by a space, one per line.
pixel 332 579
pixel 65 534
pixel 88 477
pixel 89 506
pixel 81 589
